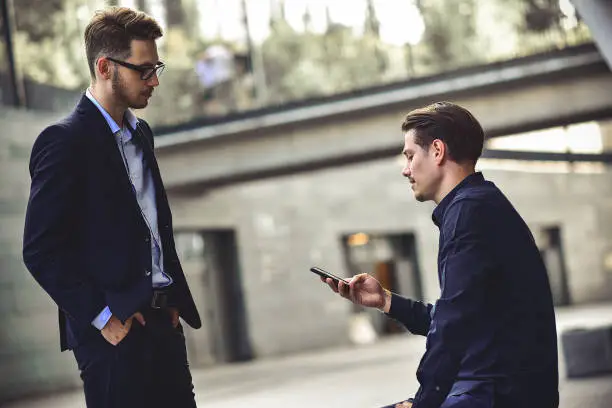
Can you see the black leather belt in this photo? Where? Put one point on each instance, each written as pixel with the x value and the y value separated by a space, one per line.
pixel 159 299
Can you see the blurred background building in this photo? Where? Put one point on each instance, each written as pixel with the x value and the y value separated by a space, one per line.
pixel 279 140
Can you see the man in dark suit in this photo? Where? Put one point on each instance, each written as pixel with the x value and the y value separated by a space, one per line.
pixel 98 230
pixel 491 336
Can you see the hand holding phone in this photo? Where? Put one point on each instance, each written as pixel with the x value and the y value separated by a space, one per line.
pixel 366 291
pixel 325 274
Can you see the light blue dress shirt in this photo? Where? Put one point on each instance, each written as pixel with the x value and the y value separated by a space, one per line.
pixel 144 189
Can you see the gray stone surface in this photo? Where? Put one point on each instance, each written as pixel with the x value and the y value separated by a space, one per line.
pixel 29 345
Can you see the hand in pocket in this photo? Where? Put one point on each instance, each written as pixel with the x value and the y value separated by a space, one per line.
pixel 114 331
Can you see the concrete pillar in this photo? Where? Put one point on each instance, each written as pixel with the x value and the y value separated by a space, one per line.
pixel 598 16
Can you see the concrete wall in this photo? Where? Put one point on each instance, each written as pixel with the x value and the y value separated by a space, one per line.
pixel 30 359
pixel 287 224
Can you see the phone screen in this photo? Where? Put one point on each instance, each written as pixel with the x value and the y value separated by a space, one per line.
pixel 326 274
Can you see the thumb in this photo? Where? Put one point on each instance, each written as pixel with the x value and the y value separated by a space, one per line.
pixel 361 277
pixel 357 279
pixel 138 316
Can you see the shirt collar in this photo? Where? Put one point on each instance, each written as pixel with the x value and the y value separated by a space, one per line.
pixel 114 127
pixel 438 213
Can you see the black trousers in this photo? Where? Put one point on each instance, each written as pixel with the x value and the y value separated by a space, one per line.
pixel 479 397
pixel 147 369
pixel 395 403
pixel 459 401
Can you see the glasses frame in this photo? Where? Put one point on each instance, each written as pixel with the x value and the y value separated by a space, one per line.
pixel 146 71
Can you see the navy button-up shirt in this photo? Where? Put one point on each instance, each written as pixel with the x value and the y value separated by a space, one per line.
pixel 493 326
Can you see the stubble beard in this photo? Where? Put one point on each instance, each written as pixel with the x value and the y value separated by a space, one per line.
pixel 120 94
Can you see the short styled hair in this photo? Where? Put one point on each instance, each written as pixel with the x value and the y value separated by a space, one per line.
pixel 450 123
pixel 111 31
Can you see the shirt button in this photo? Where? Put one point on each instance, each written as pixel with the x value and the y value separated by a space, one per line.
pixel 147 272
pixel 437 388
pixel 147 240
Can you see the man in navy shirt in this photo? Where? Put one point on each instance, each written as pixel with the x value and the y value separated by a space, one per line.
pixel 491 336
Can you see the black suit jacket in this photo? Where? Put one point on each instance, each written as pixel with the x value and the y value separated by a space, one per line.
pixel 85 240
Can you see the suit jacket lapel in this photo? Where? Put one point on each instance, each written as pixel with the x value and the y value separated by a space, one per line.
pixel 147 151
pixel 149 157
pixel 107 146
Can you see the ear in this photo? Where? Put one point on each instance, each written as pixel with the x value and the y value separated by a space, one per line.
pixel 438 150
pixel 103 68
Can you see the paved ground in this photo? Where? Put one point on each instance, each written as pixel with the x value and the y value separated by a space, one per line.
pixel 365 376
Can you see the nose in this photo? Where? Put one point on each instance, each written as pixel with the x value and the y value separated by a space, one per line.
pixel 406 172
pixel 154 80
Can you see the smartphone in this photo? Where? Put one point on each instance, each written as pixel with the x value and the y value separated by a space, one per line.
pixel 326 274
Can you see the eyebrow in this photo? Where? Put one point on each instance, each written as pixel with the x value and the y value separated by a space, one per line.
pixel 148 63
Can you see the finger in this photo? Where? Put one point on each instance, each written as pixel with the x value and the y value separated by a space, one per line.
pixel 175 318
pixel 128 325
pixel 138 316
pixel 359 278
pixel 331 284
pixel 173 313
pixel 115 335
pixel 108 339
pixel 344 289
pixel 116 338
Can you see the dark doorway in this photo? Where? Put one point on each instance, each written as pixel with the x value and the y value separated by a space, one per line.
pixel 392 260
pixel 551 249
pixel 210 261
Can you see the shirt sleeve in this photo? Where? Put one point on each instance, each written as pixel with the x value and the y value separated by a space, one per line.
pixel 100 321
pixel 467 265
pixel 414 315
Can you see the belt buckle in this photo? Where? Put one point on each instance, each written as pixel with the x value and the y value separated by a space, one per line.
pixel 159 299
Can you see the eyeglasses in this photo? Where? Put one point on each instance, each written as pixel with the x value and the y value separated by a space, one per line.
pixel 146 71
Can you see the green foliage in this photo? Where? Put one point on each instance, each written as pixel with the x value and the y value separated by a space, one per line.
pixel 48 42
pixel 36 19
pixel 451 35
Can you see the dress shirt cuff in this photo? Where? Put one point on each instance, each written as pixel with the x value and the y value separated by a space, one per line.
pixel 400 307
pixel 100 321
